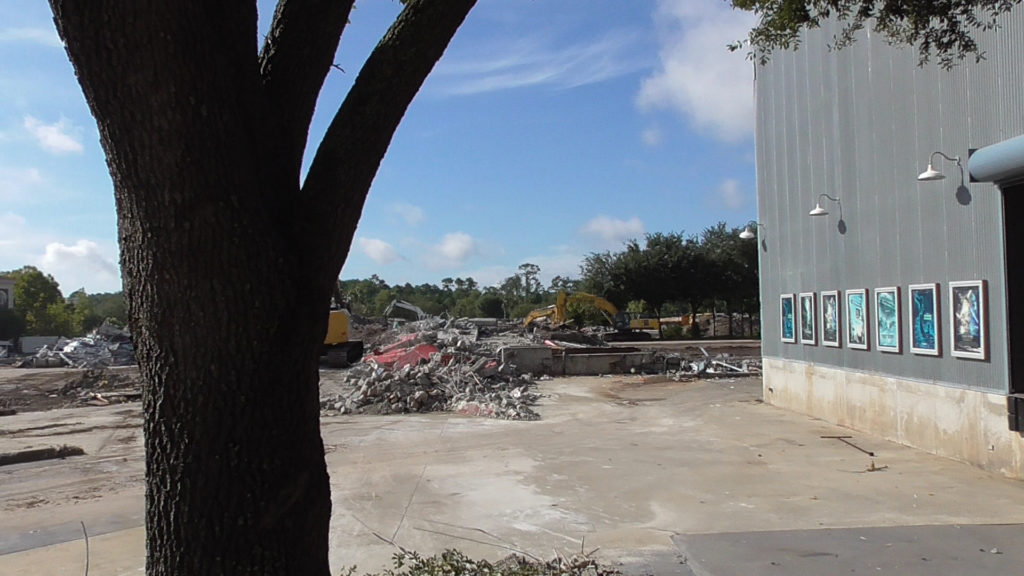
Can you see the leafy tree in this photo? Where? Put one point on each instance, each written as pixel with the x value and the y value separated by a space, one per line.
pixel 943 29
pixel 12 324
pixel 39 302
pixel 491 306
pixel 229 256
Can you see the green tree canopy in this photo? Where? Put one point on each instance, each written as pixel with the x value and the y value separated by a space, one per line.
pixel 941 29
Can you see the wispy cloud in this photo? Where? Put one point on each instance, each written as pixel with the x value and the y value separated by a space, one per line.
pixel 698 77
pixel 651 136
pixel 535 61
pixel 80 264
pixel 59 138
pixel 411 215
pixel 611 232
pixel 378 250
pixel 43 36
pixel 17 183
pixel 728 195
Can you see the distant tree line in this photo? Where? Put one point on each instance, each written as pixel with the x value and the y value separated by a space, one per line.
pixel 40 309
pixel 666 275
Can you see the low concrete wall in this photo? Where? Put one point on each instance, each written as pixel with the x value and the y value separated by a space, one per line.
pixel 544 360
pixel 966 425
pixel 32 344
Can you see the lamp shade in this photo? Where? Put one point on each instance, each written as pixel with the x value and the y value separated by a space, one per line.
pixel 747 233
pixel 818 210
pixel 930 174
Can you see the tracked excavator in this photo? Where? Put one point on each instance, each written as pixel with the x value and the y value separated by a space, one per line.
pixel 342 345
pixel 628 327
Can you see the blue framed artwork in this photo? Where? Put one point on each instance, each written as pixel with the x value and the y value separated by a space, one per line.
pixel 807 319
pixel 830 324
pixel 923 313
pixel 857 319
pixel 967 320
pixel 887 319
pixel 787 317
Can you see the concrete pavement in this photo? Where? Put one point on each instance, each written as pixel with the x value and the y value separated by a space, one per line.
pixel 665 477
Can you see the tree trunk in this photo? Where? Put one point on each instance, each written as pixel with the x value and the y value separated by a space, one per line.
pixel 228 264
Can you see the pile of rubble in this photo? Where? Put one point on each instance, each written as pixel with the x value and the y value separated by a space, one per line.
pixel 436 365
pixel 721 366
pixel 105 346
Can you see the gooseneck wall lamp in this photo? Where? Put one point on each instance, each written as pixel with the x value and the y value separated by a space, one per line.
pixel 750 231
pixel 931 173
pixel 819 211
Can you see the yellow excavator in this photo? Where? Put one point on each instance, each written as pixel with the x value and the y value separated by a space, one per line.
pixel 627 326
pixel 342 346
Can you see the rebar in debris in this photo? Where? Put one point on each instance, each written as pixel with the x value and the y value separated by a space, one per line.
pixel 844 440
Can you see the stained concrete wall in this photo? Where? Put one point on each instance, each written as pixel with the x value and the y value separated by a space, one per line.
pixel 544 360
pixel 967 425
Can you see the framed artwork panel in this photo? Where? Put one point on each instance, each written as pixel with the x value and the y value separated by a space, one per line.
pixel 830 324
pixel 807 319
pixel 967 318
pixel 923 315
pixel 887 319
pixel 787 317
pixel 857 319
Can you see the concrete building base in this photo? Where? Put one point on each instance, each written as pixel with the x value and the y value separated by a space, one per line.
pixel 958 423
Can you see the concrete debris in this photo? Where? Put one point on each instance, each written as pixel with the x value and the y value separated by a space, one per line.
pixel 100 387
pixel 436 365
pixel 681 369
pixel 105 346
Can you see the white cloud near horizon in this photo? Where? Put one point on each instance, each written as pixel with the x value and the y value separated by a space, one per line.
pixel 61 137
pixel 457 247
pixel 534 61
pixel 378 250
pixel 42 36
pixel 80 265
pixel 410 214
pixel 699 77
pixel 611 232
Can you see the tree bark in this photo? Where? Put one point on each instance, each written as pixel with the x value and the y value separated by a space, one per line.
pixel 228 264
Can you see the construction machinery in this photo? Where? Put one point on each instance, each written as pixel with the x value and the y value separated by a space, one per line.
pixel 405 311
pixel 342 345
pixel 627 326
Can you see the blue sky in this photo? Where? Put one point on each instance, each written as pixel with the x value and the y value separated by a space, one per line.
pixel 550 129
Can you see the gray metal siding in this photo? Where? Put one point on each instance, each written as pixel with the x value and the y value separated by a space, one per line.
pixel 860 124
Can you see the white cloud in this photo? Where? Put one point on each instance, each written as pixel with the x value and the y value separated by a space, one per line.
pixel 698 76
pixel 412 215
pixel 729 196
pixel 82 264
pixel 17 183
pixel 651 136
pixel 534 61
pixel 457 247
pixel 59 138
pixel 43 36
pixel 378 250
pixel 611 232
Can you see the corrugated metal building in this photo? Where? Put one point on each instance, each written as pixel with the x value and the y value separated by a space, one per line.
pixel 893 312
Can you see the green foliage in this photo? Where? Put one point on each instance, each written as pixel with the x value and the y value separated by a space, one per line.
pixel 12 324
pixel 943 29
pixel 455 563
pixel 490 306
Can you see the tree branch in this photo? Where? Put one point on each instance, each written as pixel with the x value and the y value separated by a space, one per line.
pixel 296 57
pixel 359 135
